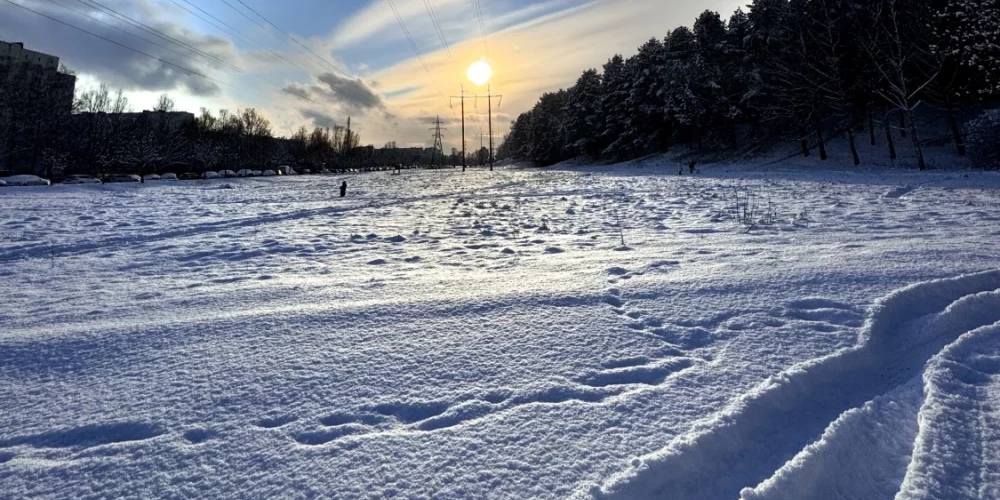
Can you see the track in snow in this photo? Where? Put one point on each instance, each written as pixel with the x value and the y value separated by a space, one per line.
pixel 766 428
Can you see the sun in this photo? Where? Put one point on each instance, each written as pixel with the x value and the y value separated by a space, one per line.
pixel 479 73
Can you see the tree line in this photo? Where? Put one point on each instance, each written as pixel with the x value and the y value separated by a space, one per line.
pixel 49 131
pixel 792 69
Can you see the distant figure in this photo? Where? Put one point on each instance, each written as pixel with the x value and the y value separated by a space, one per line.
pixel 692 165
pixel 343 189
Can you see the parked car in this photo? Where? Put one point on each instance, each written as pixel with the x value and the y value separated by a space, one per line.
pixel 152 177
pixel 81 179
pixel 245 173
pixel 26 180
pixel 257 173
pixel 168 177
pixel 227 173
pixel 189 176
pixel 3 183
pixel 117 178
pixel 269 173
pixel 210 175
pixel 324 171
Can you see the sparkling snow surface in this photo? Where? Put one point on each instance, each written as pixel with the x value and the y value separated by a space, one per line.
pixel 485 335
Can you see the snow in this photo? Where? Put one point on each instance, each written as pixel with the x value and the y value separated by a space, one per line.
pixel 486 335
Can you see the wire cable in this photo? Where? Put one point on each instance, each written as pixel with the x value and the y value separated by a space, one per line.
pixel 482 26
pixel 155 32
pixel 122 45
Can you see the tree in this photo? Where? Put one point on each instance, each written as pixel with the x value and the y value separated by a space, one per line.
pixel 102 129
pixel 164 104
pixel 965 52
pixel 616 88
pixel 894 44
pixel 583 114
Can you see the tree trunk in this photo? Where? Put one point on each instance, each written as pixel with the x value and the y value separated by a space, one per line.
pixel 818 124
pixel 955 131
pixel 888 136
pixel 854 149
pixel 902 123
pixel 804 141
pixel 916 142
pixel 871 125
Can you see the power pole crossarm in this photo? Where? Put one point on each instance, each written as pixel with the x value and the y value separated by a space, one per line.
pixel 489 98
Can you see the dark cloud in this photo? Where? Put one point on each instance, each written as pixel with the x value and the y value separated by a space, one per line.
pixel 445 120
pixel 354 95
pixel 112 64
pixel 319 119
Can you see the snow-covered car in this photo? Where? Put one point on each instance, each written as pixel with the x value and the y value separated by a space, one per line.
pixel 258 173
pixel 26 180
pixel 81 179
pixel 227 173
pixel 210 175
pixel 189 176
pixel 117 178
pixel 269 173
pixel 3 183
pixel 324 171
pixel 245 173
pixel 168 177
pixel 152 177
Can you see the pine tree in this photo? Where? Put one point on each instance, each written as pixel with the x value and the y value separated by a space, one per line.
pixel 584 123
pixel 616 89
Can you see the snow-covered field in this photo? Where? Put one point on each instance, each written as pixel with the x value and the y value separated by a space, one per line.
pixel 485 335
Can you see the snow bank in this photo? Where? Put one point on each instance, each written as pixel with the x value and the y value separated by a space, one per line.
pixel 768 426
pixel 955 455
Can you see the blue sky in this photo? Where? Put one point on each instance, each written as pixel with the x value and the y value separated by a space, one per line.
pixel 366 68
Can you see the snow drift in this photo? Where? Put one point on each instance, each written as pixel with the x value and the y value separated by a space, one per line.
pixel 759 433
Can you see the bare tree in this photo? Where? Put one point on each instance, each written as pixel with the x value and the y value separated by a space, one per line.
pixel 164 104
pixel 893 47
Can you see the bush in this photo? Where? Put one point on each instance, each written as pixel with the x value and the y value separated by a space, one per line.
pixel 983 140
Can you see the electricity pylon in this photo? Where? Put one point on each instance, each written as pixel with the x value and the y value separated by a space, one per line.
pixel 438 141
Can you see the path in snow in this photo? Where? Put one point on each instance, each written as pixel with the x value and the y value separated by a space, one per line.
pixel 763 430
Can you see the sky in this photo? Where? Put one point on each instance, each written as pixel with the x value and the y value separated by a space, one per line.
pixel 315 63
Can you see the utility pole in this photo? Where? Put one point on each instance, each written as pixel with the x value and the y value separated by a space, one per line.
pixel 462 98
pixel 489 97
pixel 438 141
pixel 489 101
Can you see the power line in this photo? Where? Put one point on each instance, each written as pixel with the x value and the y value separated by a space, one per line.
pixel 274 55
pixel 164 61
pixel 413 44
pixel 406 33
pixel 353 96
pixel 90 17
pixel 219 21
pixel 437 27
pixel 482 26
pixel 153 31
pixel 292 38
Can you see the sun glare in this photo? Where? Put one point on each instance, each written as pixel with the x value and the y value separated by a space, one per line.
pixel 480 73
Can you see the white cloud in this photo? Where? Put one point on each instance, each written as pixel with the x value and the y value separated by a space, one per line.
pixel 377 17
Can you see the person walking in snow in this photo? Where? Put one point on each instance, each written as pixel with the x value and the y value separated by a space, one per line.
pixel 343 189
pixel 692 165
